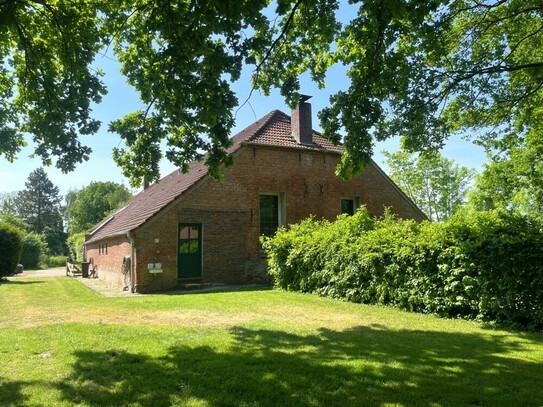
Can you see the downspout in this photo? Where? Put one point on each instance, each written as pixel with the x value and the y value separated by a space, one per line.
pixel 132 274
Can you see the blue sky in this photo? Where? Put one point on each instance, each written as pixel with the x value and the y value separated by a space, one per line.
pixel 121 99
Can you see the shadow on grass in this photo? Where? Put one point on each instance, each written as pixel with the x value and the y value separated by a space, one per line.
pixel 11 393
pixel 11 281
pixel 216 290
pixel 365 366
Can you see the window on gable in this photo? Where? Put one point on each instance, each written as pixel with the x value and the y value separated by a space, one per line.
pixel 349 205
pixel 271 213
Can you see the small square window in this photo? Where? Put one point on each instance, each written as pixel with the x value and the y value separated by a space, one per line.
pixel 349 205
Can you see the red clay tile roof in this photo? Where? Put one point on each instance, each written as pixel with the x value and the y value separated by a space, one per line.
pixel 273 129
pixel 278 133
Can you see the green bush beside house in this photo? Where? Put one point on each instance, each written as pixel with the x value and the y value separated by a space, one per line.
pixel 75 246
pixel 477 265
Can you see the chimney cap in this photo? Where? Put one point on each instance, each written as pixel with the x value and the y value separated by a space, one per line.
pixel 304 98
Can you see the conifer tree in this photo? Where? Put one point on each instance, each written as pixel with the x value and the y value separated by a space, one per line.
pixel 39 203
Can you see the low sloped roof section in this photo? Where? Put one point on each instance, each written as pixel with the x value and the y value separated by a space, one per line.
pixel 274 129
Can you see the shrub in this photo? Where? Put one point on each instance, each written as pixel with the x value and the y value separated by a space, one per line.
pixel 504 252
pixel 75 246
pixel 486 265
pixel 303 257
pixel 55 261
pixel 10 248
pixel 34 249
pixel 15 221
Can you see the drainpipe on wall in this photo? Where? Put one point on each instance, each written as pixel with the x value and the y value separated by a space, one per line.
pixel 132 274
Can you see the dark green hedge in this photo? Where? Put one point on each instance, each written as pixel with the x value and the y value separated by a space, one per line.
pixel 10 249
pixel 34 249
pixel 486 265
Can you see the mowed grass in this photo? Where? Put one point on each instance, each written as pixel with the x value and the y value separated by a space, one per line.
pixel 62 344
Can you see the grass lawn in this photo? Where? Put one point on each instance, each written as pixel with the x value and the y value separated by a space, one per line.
pixel 62 344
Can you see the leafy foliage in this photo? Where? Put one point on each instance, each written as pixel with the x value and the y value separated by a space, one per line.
pixel 34 246
pixel 514 177
pixel 89 205
pixel 10 248
pixel 47 84
pixel 55 237
pixel 55 261
pixel 436 184
pixel 7 203
pixel 483 265
pixel 75 246
pixel 33 250
pixel 421 69
pixel 15 221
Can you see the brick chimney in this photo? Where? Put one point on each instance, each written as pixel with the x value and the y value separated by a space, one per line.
pixel 145 183
pixel 302 129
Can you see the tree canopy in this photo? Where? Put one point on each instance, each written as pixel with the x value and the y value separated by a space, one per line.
pixel 435 183
pixel 422 69
pixel 513 179
pixel 89 205
pixel 7 202
pixel 39 203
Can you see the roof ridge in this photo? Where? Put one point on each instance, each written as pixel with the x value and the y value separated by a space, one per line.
pixel 266 121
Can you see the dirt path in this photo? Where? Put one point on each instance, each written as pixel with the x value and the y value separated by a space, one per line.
pixel 52 272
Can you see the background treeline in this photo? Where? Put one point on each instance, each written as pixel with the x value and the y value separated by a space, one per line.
pixel 37 230
pixel 479 265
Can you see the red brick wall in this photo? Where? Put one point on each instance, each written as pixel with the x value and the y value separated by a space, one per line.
pixel 109 264
pixel 302 128
pixel 229 212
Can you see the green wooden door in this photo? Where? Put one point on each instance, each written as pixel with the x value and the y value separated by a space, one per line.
pixel 189 250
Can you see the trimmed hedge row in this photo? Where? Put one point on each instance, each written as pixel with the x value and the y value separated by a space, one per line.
pixel 485 265
pixel 10 248
pixel 55 261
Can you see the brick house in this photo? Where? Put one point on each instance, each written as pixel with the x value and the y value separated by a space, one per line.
pixel 189 228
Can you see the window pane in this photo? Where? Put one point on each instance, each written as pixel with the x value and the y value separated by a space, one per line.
pixel 184 234
pixel 184 247
pixel 189 242
pixel 194 246
pixel 194 232
pixel 347 206
pixel 269 214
